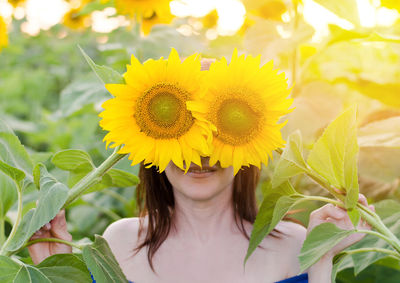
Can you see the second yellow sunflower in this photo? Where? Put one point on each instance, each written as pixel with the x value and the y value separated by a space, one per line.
pixel 244 102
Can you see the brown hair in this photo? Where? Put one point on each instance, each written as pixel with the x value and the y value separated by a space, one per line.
pixel 156 201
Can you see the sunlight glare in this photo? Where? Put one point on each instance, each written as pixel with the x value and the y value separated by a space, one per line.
pixel 231 15
pixel 44 13
pixel 367 13
pixel 386 17
pixel 319 18
pixel 6 10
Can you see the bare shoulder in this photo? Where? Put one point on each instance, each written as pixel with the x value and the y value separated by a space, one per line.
pixel 121 227
pixel 122 235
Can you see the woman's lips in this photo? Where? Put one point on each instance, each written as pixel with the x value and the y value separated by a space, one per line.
pixel 197 171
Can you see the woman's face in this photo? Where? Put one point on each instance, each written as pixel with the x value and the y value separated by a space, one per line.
pixel 200 184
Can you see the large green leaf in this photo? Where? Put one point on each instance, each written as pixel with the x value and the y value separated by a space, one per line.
pixel 101 262
pixel 73 160
pixel 79 94
pixel 346 9
pixel 14 173
pixel 65 268
pixel 52 197
pixel 104 73
pixel 334 156
pixel 273 208
pixel 319 241
pixel 8 194
pixel 291 162
pixel 62 268
pixel 13 152
pixel 122 179
pixel 389 211
pixel 386 93
pixel 13 272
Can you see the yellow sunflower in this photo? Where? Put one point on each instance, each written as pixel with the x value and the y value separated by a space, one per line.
pixel 147 12
pixel 150 20
pixel 16 3
pixel 244 101
pixel 149 116
pixel 3 33
pixel 73 20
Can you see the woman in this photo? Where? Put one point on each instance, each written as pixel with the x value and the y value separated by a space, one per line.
pixel 203 239
pixel 195 227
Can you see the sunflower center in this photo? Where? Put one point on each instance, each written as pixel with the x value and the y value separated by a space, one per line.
pixel 237 121
pixel 161 111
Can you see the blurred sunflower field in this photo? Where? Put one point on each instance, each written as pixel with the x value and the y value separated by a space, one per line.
pixel 56 55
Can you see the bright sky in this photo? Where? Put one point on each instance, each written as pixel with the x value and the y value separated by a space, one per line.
pixel 42 14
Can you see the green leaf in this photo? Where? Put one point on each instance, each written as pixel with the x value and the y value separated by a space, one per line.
pixel 73 160
pixel 52 196
pixel 334 156
pixel 61 268
pixel 122 179
pixel 319 241
pixel 13 152
pixel 8 194
pixel 344 9
pixel 386 93
pixel 273 208
pixel 291 162
pixel 79 94
pixel 8 269
pixel 13 272
pixel 363 260
pixel 65 268
pixel 101 262
pixel 340 261
pixel 354 216
pixel 14 173
pixel 104 73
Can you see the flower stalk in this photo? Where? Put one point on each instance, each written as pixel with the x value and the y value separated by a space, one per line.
pixel 368 215
pixel 94 177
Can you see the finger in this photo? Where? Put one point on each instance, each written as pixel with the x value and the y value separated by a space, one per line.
pixel 42 233
pixel 328 211
pixel 59 227
pixel 362 199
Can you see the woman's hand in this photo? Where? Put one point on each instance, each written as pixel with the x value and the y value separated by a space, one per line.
pixel 321 271
pixel 339 217
pixel 56 228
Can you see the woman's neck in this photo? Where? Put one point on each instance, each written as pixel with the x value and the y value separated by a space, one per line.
pixel 203 220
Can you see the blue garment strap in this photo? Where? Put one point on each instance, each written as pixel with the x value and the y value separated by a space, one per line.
pixel 303 278
pixel 94 281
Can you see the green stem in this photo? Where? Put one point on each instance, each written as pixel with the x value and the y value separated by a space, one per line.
pixel 324 199
pixel 368 215
pixel 93 177
pixel 375 221
pixel 54 240
pixel 377 250
pixel 17 221
pixel 374 233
